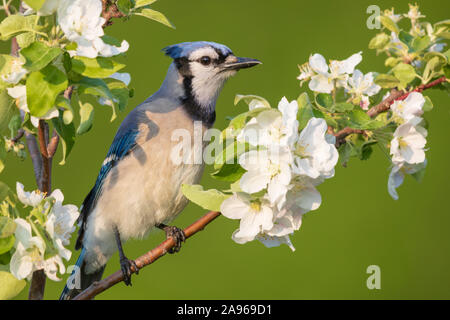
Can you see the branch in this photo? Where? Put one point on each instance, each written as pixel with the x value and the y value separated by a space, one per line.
pixel 384 106
pixel 146 259
pixel 110 11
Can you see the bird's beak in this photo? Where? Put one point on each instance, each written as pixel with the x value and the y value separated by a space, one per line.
pixel 241 63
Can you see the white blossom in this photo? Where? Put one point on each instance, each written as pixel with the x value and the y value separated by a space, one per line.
pixel 410 109
pixel 315 156
pixel 17 71
pixel 408 144
pixel 414 14
pixel 81 22
pixel 20 94
pixel 397 175
pixel 273 127
pixel 335 74
pixel 255 216
pixel 361 86
pixel 267 169
pixel 29 255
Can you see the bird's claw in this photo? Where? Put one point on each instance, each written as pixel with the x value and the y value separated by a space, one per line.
pixel 177 235
pixel 125 266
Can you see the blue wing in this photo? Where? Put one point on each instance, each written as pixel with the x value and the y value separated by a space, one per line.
pixel 123 143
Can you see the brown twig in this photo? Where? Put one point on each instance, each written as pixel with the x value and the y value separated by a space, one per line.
pixel 384 106
pixel 110 11
pixel 146 259
pixel 19 135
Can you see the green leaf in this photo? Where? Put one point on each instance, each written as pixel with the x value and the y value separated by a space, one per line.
pixel 379 41
pixel 7 227
pixel 230 154
pixel 25 39
pixel 433 66
pixel 124 6
pixel 443 23
pixel 99 88
pixel 87 118
pixel 7 243
pixel 324 100
pixel 66 133
pixel 99 67
pixel 387 81
pixel 229 172
pixel 142 3
pixel 35 4
pixel 43 87
pixel 7 110
pixel 405 37
pixel 342 107
pixel 420 43
pixel 248 99
pixel 155 15
pixel 305 110
pixel 119 91
pixel 38 55
pixel 16 24
pixel 428 105
pixel 389 24
pixel 358 119
pixel 404 72
pixel 11 286
pixel 68 110
pixel 4 191
pixel 207 199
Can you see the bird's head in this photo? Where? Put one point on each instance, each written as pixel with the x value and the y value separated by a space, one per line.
pixel 204 67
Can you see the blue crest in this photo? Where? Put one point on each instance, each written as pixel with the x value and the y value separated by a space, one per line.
pixel 184 49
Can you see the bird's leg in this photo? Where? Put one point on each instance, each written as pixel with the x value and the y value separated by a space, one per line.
pixel 125 263
pixel 173 232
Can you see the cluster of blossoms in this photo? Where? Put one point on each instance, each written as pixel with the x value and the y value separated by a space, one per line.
pixel 327 78
pixel 408 145
pixel 82 35
pixel 81 22
pixel 40 238
pixel 283 168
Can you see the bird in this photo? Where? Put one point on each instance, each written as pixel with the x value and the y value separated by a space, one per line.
pixel 138 187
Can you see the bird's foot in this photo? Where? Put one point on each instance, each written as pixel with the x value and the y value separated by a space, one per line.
pixel 176 234
pixel 125 266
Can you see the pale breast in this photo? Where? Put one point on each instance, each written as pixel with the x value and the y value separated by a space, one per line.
pixel 144 189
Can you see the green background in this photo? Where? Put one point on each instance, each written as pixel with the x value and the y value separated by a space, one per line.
pixel 358 223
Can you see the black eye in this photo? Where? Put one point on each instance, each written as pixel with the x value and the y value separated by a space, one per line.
pixel 205 60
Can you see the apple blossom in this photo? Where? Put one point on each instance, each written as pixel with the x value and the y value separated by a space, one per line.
pixel 335 74
pixel 255 216
pixel 267 168
pixel 410 109
pixel 408 144
pixel 314 156
pixel 82 23
pixel 273 127
pixel 17 71
pixel 397 175
pixel 361 86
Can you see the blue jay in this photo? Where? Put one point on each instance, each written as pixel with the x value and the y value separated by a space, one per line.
pixel 139 186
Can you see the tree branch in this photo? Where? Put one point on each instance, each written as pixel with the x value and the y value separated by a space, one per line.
pixel 146 259
pixel 384 106
pixel 110 11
